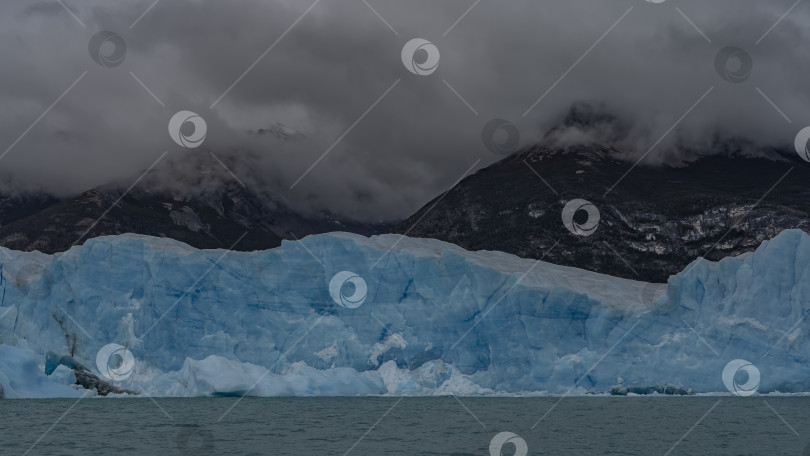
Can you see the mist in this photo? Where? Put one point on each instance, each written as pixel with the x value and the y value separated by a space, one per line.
pixel 368 138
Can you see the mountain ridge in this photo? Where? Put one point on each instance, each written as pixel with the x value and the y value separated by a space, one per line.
pixel 195 202
pixel 653 220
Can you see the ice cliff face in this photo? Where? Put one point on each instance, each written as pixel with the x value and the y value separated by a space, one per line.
pixel 433 319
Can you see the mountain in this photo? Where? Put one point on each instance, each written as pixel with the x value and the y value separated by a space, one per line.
pixel 209 210
pixel 214 222
pixel 279 131
pixel 342 315
pixel 17 205
pixel 653 222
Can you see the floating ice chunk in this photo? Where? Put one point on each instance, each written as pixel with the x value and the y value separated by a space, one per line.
pixel 63 375
pixel 22 377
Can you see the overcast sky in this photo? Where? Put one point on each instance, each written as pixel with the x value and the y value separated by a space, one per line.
pixel 339 69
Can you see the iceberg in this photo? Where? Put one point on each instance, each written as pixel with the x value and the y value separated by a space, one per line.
pixel 340 314
pixel 21 377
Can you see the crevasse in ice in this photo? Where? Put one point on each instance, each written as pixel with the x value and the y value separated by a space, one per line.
pixel 435 319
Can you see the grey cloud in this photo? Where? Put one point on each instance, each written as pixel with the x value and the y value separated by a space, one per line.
pixel 330 68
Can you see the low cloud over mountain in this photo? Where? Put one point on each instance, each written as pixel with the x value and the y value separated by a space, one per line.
pixel 333 75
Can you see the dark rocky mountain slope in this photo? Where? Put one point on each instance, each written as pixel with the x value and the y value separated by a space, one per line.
pixel 205 208
pixel 652 224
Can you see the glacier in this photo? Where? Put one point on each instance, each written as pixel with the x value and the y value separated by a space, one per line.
pixel 433 319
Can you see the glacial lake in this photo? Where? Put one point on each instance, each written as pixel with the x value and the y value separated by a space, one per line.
pixel 582 426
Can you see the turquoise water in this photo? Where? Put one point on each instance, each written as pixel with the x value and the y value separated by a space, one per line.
pixel 411 426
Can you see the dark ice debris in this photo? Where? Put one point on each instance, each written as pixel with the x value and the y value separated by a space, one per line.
pixel 84 376
pixel 668 390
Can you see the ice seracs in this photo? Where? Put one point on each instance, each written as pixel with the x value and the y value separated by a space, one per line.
pixel 21 376
pixel 436 320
